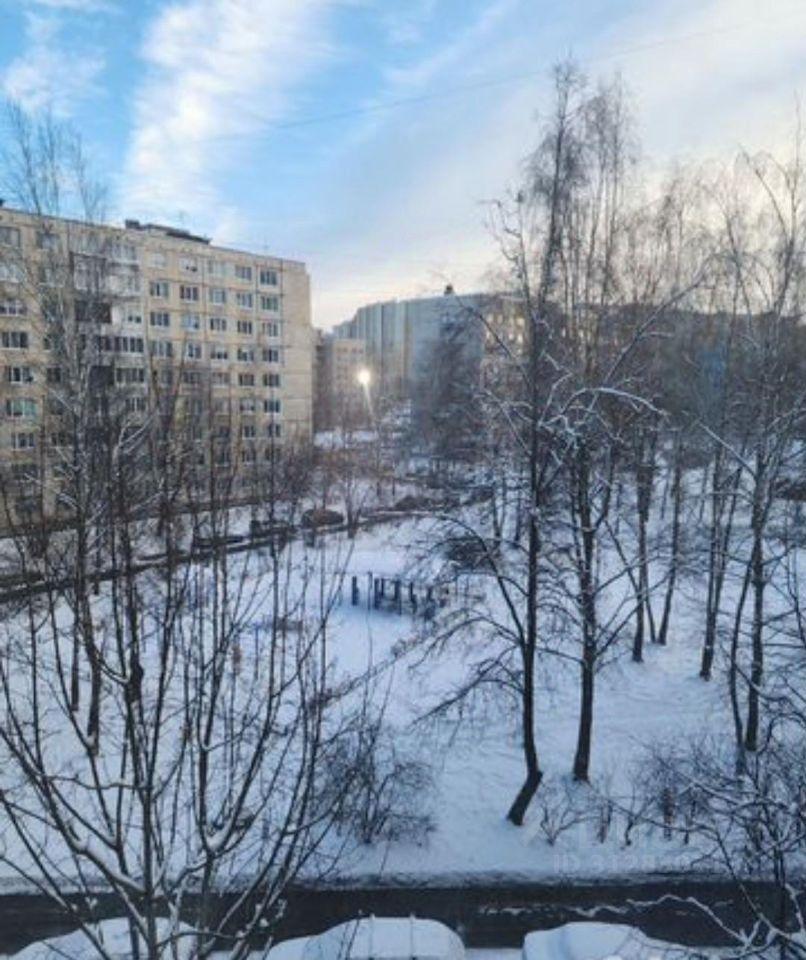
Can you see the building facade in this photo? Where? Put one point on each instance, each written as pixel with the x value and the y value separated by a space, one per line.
pixel 340 397
pixel 147 312
pixel 430 358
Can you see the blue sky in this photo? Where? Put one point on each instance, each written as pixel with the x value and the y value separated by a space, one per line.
pixel 365 136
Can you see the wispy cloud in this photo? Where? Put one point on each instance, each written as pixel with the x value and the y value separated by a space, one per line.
pixel 218 71
pixel 708 75
pixel 49 72
pixel 74 6
pixel 404 25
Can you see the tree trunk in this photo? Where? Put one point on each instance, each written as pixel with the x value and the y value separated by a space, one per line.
pixel 757 665
pixel 534 775
pixel 583 751
pixel 674 559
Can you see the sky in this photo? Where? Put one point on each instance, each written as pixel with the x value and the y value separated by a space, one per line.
pixel 368 137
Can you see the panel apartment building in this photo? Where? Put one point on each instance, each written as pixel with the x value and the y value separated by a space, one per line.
pixel 154 309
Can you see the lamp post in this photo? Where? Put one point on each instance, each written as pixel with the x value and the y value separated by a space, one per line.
pixel 363 378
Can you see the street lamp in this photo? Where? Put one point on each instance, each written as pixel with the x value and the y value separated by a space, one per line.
pixel 363 378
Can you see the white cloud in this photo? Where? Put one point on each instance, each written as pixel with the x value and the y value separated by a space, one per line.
pixel 48 73
pixel 708 76
pixel 74 6
pixel 404 25
pixel 217 72
pixel 711 76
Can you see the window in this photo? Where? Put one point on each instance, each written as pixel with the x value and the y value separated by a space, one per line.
pixel 161 348
pixel 218 352
pixel 126 376
pixel 159 288
pixel 53 375
pixel 271 379
pixel 271 355
pixel 47 240
pixel 268 278
pixel 24 471
pixel 134 318
pixel 218 295
pixel 244 300
pixel 125 280
pixel 9 236
pixel 216 268
pixel 120 344
pixel 246 355
pixel 193 350
pixel 272 405
pixel 12 308
pixel 88 311
pixel 245 326
pixel 10 272
pixel 189 264
pixel 20 407
pixel 243 272
pixel 135 404
pixel 166 376
pixel 19 375
pixel 218 324
pixel 221 405
pixel 191 321
pixel 191 377
pixel 271 304
pixel 188 292
pixel 124 251
pixel 60 439
pixel 270 328
pixel 159 319
pixel 248 431
pixel 220 378
pixel 247 405
pixel 246 379
pixel 23 441
pixel 273 430
pixel 14 339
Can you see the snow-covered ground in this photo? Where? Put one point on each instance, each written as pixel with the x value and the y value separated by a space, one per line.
pixel 478 765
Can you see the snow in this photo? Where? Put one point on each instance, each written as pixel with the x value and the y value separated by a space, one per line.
pixel 289 949
pixel 386 938
pixel 391 939
pixel 113 934
pixel 477 765
pixel 593 941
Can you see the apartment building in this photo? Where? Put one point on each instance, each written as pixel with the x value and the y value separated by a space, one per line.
pixel 428 354
pixel 340 399
pixel 403 337
pixel 153 308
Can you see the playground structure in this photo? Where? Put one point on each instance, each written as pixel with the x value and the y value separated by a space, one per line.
pixel 396 594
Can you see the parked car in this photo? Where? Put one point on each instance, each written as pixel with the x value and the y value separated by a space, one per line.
pixel 594 941
pixel 321 517
pixel 210 543
pixel 376 938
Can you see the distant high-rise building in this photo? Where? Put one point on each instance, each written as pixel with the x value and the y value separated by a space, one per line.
pixel 340 398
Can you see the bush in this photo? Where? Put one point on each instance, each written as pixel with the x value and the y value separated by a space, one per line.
pixel 559 809
pixel 378 793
